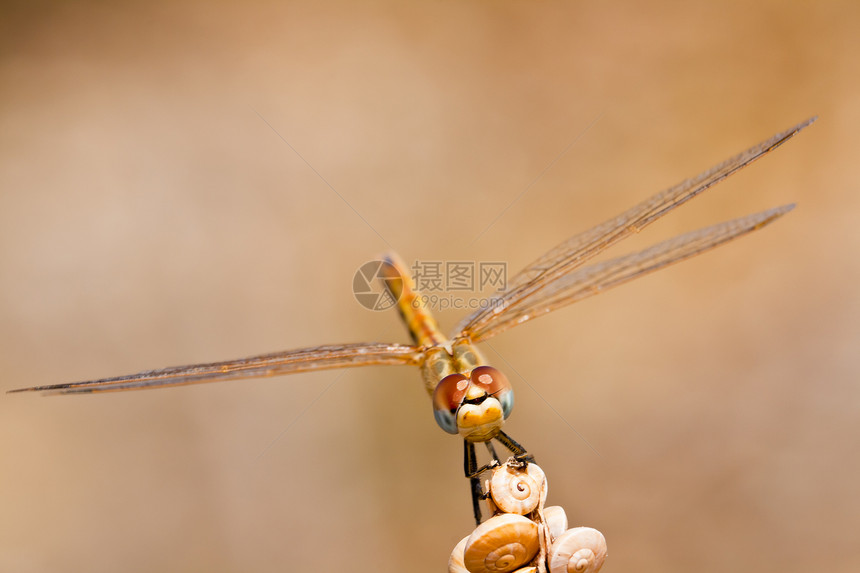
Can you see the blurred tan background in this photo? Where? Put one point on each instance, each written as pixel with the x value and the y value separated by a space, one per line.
pixel 151 214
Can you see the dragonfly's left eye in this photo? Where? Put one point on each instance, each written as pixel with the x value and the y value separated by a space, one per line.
pixel 489 379
pixel 495 384
pixel 447 397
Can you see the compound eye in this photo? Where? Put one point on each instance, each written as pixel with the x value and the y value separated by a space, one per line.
pixel 447 398
pixel 495 384
pixel 490 380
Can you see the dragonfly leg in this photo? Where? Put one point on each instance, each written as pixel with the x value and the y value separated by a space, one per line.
pixel 520 453
pixel 473 472
pixel 492 451
pixel 470 464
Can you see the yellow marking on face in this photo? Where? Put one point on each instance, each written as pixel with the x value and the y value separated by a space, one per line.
pixel 480 422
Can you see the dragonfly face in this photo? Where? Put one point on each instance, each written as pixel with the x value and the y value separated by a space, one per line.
pixel 474 406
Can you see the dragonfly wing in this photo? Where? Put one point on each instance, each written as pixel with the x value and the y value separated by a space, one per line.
pixel 598 277
pixel 575 251
pixel 290 361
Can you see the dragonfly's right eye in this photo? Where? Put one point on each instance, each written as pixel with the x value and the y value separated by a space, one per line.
pixel 447 397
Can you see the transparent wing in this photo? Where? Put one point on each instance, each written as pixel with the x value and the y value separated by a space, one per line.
pixel 290 361
pixel 575 251
pixel 599 277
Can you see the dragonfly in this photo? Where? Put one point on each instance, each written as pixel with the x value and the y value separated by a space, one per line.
pixel 471 398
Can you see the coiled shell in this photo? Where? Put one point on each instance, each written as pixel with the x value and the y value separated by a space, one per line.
pixel 501 544
pixel 555 519
pixel 517 489
pixel 577 550
pixel 455 562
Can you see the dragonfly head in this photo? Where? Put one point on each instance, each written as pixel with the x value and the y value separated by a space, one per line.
pixel 475 406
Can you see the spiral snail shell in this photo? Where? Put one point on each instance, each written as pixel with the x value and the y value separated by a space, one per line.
pixel 517 489
pixel 455 562
pixel 577 550
pixel 501 544
pixel 555 519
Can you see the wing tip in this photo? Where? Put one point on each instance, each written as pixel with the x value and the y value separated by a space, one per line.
pixel 792 131
pixel 777 140
pixel 782 209
pixel 30 389
pixel 765 218
pixel 807 122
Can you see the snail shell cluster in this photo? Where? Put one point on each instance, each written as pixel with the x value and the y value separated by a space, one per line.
pixel 524 536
